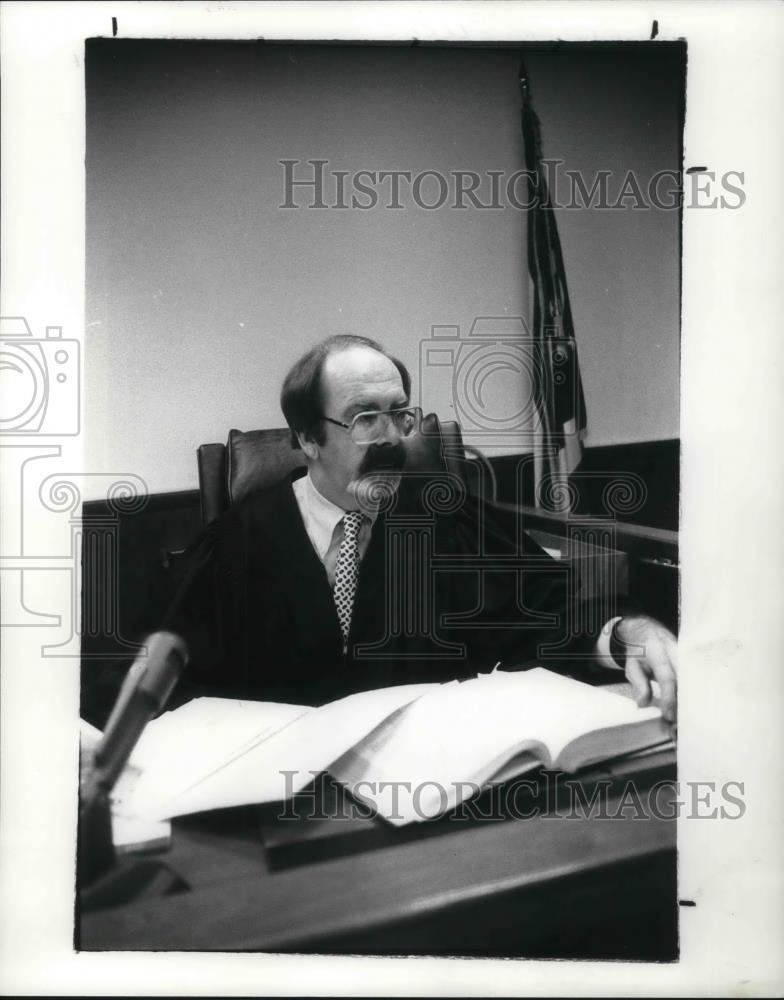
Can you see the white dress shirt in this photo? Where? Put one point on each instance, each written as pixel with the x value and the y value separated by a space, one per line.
pixel 323 522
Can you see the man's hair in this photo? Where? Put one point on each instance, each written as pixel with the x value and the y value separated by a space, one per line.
pixel 302 396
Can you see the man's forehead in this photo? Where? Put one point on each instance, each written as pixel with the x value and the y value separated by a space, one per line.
pixel 360 373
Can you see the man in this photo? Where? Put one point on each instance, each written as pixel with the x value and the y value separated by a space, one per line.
pixel 308 591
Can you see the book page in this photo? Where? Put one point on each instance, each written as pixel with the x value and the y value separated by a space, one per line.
pixel 561 709
pixel 277 768
pixel 130 834
pixel 453 740
pixel 184 746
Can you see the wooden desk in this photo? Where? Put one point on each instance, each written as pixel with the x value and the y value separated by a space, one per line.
pixel 541 886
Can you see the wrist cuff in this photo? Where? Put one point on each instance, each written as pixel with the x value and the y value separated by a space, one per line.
pixel 617 646
pixel 610 651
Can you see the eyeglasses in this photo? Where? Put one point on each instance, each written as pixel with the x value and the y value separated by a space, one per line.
pixel 365 428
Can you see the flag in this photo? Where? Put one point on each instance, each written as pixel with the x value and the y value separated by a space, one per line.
pixel 559 398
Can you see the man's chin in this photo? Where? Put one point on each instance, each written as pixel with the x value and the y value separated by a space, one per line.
pixel 375 490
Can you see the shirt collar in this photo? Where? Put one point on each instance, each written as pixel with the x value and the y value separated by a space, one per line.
pixel 324 514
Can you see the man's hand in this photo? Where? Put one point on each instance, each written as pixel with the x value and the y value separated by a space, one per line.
pixel 651 654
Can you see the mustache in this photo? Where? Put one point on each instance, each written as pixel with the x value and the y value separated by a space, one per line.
pixel 383 457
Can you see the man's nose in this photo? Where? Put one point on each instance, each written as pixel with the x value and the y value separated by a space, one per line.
pixel 391 434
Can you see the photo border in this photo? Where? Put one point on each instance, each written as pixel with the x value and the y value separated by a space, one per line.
pixel 730 678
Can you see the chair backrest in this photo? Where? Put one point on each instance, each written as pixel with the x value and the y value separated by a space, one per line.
pixel 249 461
pixel 255 460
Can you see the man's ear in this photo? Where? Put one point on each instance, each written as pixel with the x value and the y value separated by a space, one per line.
pixel 309 447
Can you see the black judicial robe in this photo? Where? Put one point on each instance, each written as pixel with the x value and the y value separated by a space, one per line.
pixel 448 587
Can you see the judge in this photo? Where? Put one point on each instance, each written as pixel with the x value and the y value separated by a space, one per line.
pixel 347 576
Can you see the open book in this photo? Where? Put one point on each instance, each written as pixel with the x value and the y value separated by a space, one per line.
pixel 412 751
pixel 460 738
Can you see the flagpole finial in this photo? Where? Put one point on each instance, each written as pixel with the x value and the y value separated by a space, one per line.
pixel 522 76
pixel 525 87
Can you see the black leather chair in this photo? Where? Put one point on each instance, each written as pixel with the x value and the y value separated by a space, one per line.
pixel 254 460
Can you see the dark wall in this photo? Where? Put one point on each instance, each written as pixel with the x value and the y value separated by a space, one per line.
pixel 130 572
pixel 635 483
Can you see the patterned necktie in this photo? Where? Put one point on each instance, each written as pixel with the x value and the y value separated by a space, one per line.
pixel 347 571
